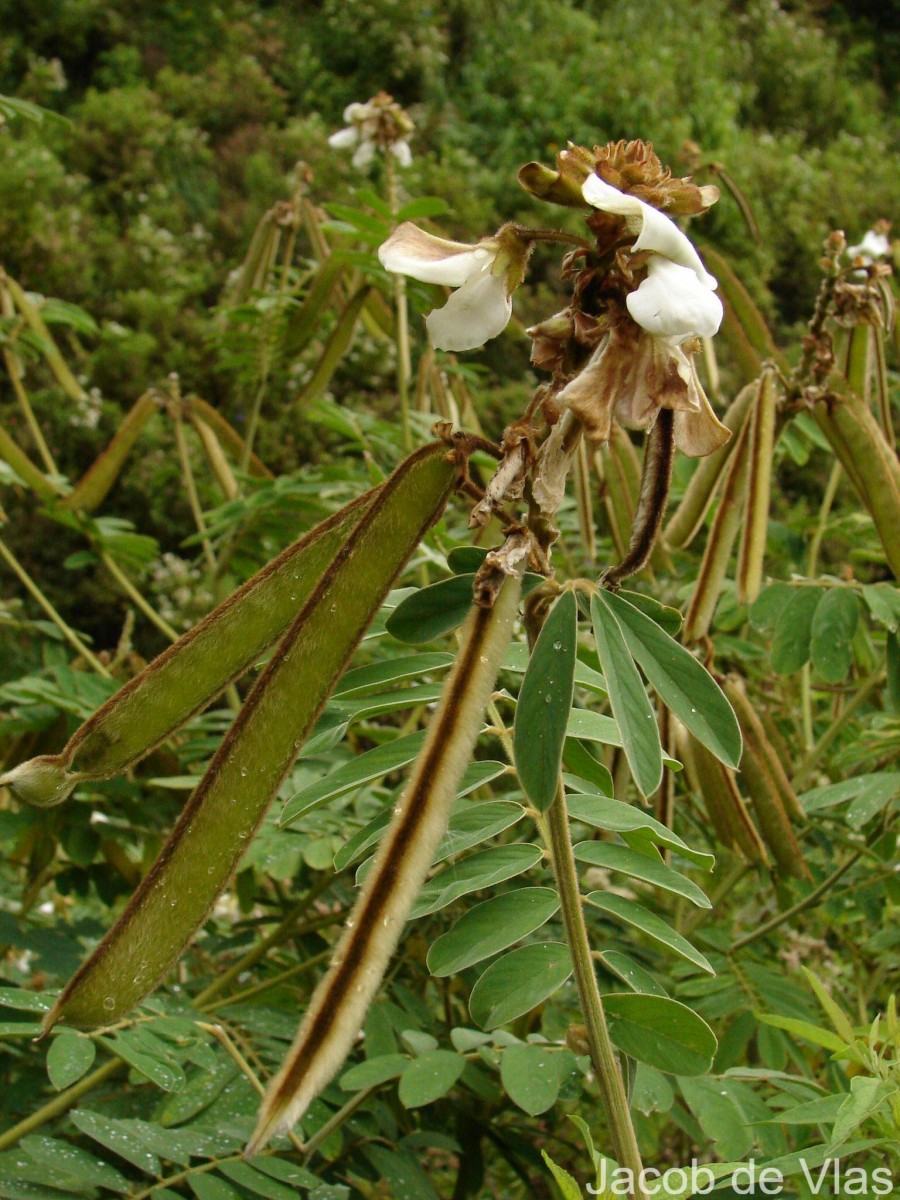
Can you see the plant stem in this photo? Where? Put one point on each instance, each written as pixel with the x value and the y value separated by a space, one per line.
pixel 825 741
pixel 555 825
pixel 134 595
pixel 61 1103
pixel 68 633
pixel 404 367
pixel 275 938
pixel 336 1120
pixel 193 497
pixel 814 896
pixel 274 981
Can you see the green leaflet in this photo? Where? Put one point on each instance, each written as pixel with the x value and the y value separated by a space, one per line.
pixel 832 629
pixel 628 698
pixel 490 927
pixel 518 982
pixel 660 1032
pixel 189 673
pixel 246 772
pixel 683 684
pixel 545 700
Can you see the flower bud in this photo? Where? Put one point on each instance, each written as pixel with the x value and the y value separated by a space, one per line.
pixel 41 781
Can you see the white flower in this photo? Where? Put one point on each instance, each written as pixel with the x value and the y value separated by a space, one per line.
pixel 480 308
pixel 645 361
pixel 874 245
pixel 677 300
pixel 378 124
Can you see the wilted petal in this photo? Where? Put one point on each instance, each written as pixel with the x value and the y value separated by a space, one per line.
pixel 673 303
pixel 402 153
pixel 654 230
pixel 364 155
pixel 700 433
pixel 344 138
pixel 411 251
pixel 475 313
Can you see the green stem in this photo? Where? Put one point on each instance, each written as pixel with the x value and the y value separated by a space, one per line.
pixel 274 981
pixel 404 367
pixel 12 368
pixel 253 423
pixel 825 741
pixel 807 902
pixel 61 1103
pixel 275 938
pixel 68 633
pixel 135 596
pixel 555 826
pixel 336 1120
pixel 193 497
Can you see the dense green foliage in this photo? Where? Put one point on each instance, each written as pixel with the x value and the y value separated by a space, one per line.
pixel 189 133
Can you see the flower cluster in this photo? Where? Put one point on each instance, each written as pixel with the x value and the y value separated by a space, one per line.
pixel 642 299
pixel 380 125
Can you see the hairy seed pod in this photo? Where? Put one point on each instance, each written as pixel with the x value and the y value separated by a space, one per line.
pixel 340 1002
pixel 722 536
pixel 230 801
pixel 751 552
pixel 687 519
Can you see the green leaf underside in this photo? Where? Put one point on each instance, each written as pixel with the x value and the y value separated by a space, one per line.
pixel 660 1032
pixel 832 629
pixel 491 927
pixel 69 1056
pixel 429 1077
pixel 793 630
pixel 469 826
pixel 365 768
pixel 531 1076
pixel 650 924
pixel 518 982
pixel 545 699
pixel 481 870
pixel 683 684
pixel 374 1072
pixel 616 816
pixel 628 699
pixel 641 866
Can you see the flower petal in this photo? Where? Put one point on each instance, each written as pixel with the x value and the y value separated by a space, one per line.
pixel 475 313
pixel 358 112
pixel 402 153
pixel 655 231
pixel 364 155
pixel 874 245
pixel 673 303
pixel 411 251
pixel 344 138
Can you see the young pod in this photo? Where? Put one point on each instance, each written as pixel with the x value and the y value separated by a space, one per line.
pixel 722 536
pixel 250 765
pixel 751 552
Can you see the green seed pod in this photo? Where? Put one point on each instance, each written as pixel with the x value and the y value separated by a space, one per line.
pixel 94 486
pixel 189 673
pixel 687 519
pixel 722 536
pixel 759 487
pixel 246 772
